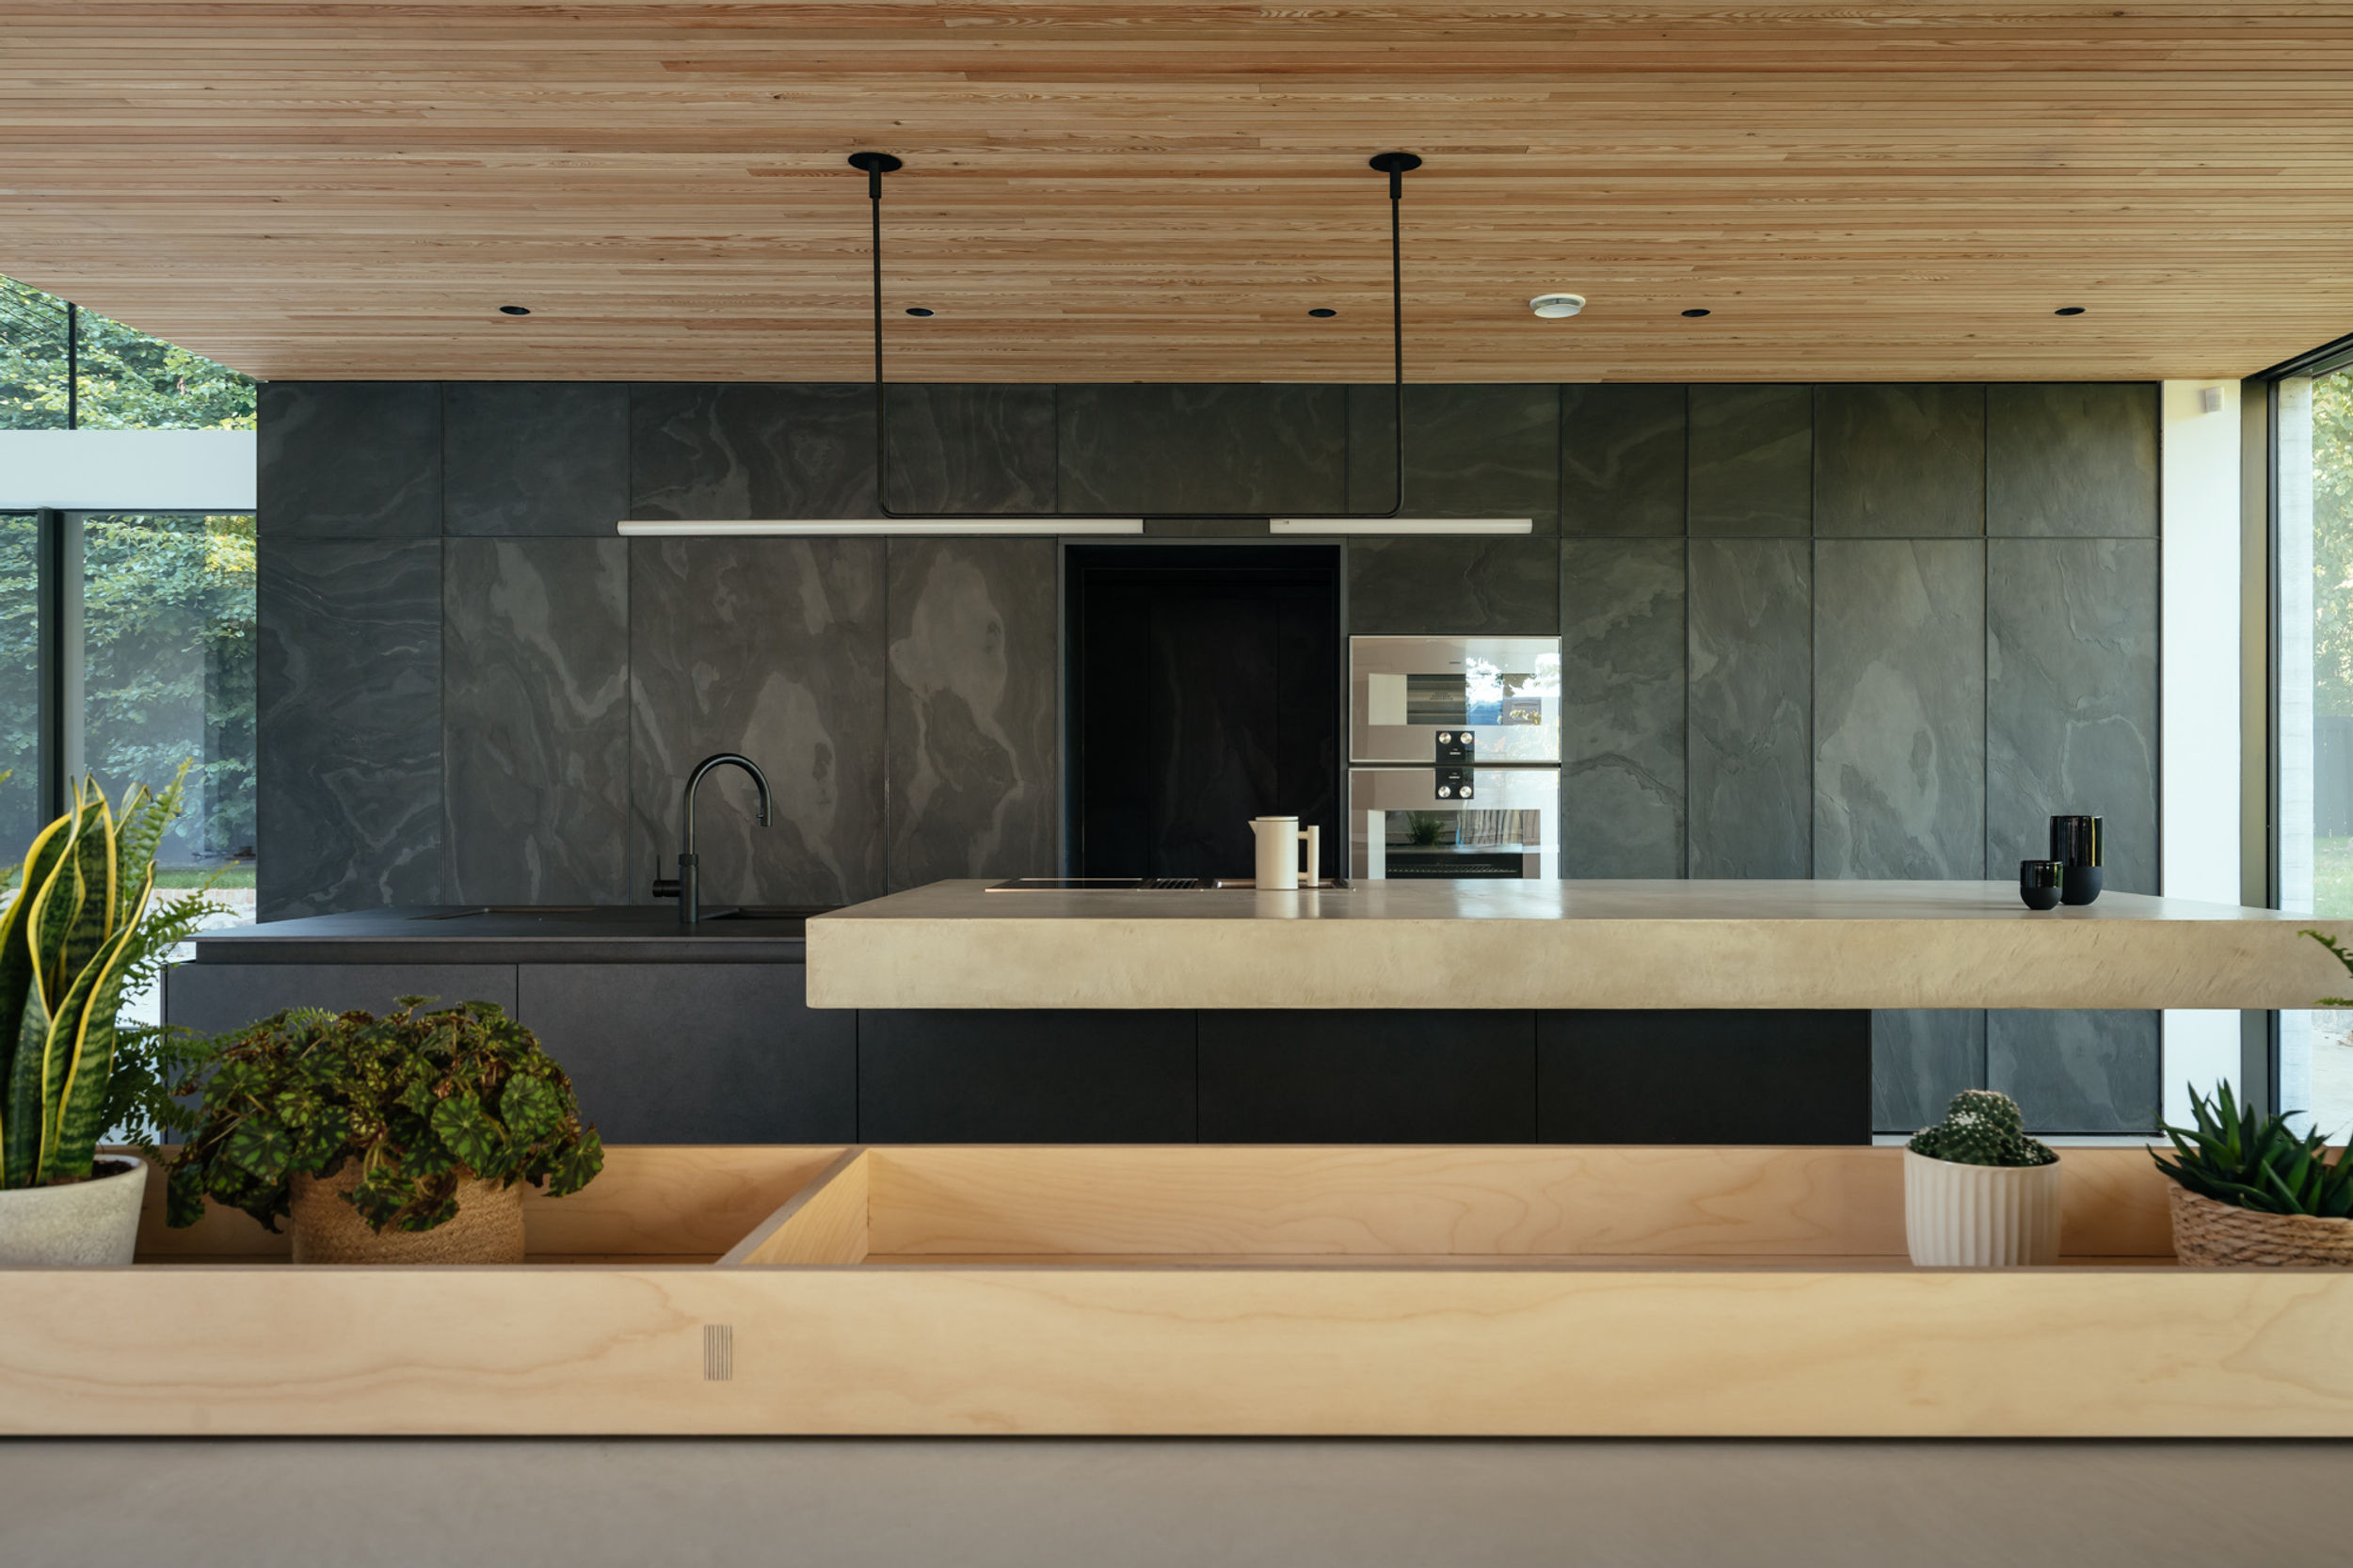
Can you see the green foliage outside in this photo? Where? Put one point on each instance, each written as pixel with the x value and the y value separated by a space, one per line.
pixel 425 1101
pixel 2332 544
pixel 128 380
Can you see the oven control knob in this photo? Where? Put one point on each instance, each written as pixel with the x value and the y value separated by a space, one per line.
pixel 1446 791
pixel 1445 736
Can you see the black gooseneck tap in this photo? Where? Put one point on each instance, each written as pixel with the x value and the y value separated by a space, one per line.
pixel 685 889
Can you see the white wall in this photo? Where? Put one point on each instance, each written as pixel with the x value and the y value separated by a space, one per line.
pixel 127 471
pixel 2198 780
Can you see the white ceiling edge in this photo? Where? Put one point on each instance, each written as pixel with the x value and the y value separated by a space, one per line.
pixel 835 527
pixel 127 471
pixel 1401 525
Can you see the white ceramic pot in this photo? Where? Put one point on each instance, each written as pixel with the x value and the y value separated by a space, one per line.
pixel 79 1225
pixel 1980 1216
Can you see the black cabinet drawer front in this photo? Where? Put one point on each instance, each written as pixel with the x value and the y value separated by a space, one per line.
pixel 988 1076
pixel 1371 1077
pixel 213 998
pixel 1735 1076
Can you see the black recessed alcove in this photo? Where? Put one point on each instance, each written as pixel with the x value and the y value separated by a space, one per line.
pixel 1204 690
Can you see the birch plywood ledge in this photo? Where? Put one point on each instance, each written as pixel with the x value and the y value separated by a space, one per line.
pixel 1601 944
pixel 1210 1291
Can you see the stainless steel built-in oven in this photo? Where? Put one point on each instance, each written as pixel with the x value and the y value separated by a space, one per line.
pixel 1465 733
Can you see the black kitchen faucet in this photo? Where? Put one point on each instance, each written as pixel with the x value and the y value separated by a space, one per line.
pixel 685 889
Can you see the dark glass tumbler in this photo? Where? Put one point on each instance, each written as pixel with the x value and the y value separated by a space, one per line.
pixel 2040 882
pixel 2076 843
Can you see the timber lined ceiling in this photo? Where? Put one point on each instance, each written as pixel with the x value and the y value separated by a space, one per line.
pixel 1123 191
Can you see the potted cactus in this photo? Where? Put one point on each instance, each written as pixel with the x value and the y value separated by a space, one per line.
pixel 405 1138
pixel 1979 1193
pixel 80 932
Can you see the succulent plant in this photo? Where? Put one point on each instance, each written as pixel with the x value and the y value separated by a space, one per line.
pixel 1981 1126
pixel 2235 1156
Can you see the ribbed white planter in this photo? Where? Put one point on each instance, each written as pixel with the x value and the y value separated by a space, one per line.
pixel 79 1225
pixel 1980 1216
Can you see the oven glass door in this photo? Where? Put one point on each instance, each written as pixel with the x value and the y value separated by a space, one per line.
pixel 1402 826
pixel 1418 699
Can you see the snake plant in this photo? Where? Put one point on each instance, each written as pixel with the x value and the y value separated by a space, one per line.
pixel 77 930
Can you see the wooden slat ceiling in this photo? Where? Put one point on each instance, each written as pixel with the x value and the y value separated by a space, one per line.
pixel 1117 191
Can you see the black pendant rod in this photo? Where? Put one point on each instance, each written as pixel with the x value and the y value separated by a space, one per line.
pixel 1395 164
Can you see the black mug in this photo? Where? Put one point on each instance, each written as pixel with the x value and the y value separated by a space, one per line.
pixel 2039 883
pixel 2075 844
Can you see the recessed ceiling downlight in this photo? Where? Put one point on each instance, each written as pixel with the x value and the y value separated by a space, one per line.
pixel 514 309
pixel 920 310
pixel 1552 307
pixel 2069 311
pixel 1323 312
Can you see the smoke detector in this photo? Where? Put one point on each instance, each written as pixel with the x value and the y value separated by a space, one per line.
pixel 1554 306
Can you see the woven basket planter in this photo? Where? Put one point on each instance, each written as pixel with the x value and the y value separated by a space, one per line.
pixel 2211 1235
pixel 487 1227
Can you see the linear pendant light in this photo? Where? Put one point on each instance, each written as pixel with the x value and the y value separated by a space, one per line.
pixel 1006 527
pixel 1395 164
pixel 1401 525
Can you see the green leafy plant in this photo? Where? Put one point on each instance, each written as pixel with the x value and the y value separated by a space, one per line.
pixel 1981 1127
pixel 2236 1157
pixel 80 934
pixel 425 1101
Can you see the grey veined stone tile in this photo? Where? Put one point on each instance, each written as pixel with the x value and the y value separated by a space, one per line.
pixel 1899 708
pixel 1183 450
pixel 1495 585
pixel 2078 1071
pixel 350 684
pixel 973 709
pixel 773 648
pixel 1622 645
pixel 1751 460
pixel 1920 1058
pixel 1475 450
pixel 729 452
pixel 348 459
pixel 2071 642
pixel 2072 459
pixel 1899 461
pixel 970 448
pixel 1751 707
pixel 535 718
pixel 1622 459
pixel 534 457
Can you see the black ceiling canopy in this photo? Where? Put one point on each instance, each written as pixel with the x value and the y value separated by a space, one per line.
pixel 1395 164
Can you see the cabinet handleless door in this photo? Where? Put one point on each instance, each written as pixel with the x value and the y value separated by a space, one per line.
pixel 213 998
pixel 986 1076
pixel 696 1053
pixel 1371 1077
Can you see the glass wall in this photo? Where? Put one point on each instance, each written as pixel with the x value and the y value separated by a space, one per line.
pixel 62 368
pixel 20 684
pixel 2314 672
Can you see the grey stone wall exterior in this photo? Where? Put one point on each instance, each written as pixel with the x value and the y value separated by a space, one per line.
pixel 1810 631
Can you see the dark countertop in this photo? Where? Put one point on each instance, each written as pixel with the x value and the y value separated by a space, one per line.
pixel 477 933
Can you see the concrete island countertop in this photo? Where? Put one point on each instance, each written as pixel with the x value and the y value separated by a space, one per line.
pixel 1647 944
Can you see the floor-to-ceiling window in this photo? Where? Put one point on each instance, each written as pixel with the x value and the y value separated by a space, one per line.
pixel 2313 424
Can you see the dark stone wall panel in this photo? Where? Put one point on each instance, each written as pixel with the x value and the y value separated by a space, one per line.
pixel 1751 460
pixel 1899 461
pixel 1470 451
pixel 2078 1071
pixel 1622 459
pixel 1497 584
pixel 971 448
pixel 2070 649
pixel 724 452
pixel 973 709
pixel 2072 459
pixel 1899 708
pixel 535 716
pixel 773 648
pixel 1751 707
pixel 1622 719
pixel 349 732
pixel 348 459
pixel 1181 450
pixel 535 457
pixel 1920 1059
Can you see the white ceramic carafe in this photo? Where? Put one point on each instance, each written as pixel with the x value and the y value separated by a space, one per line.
pixel 1279 853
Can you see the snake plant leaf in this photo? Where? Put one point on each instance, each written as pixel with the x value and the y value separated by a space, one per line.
pixel 20 1093
pixel 81 1051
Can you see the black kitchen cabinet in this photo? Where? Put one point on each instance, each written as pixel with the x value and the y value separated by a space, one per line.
pixel 986 1077
pixel 1375 1077
pixel 1732 1075
pixel 696 1053
pixel 213 998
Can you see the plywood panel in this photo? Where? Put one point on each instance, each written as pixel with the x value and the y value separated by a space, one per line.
pixel 823 1223
pixel 1160 191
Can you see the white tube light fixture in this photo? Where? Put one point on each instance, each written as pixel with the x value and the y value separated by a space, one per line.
pixel 1401 525
pixel 849 527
